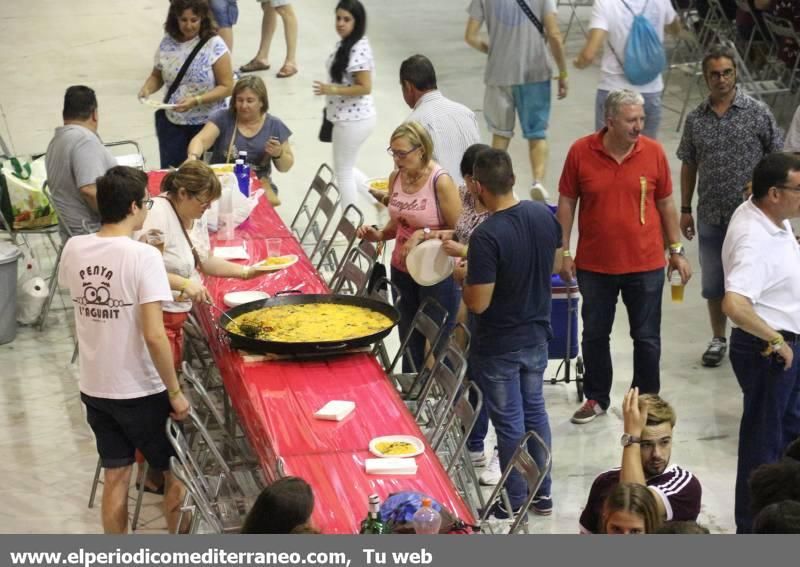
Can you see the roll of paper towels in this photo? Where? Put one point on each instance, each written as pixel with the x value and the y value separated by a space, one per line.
pixel 31 296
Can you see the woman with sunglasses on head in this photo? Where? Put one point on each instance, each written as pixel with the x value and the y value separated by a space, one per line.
pixel 422 196
pixel 348 102
pixel 177 217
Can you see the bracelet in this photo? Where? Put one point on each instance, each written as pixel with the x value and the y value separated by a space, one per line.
pixel 245 272
pixel 466 249
pixel 777 342
pixel 686 210
pixel 174 393
pixel 198 100
pixel 563 75
pixel 676 246
pixel 186 282
pixel 566 254
pixel 279 156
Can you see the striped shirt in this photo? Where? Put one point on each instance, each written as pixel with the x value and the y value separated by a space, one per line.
pixel 452 127
pixel 679 490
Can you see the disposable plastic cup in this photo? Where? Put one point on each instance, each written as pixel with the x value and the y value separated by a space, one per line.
pixel 676 284
pixel 273 247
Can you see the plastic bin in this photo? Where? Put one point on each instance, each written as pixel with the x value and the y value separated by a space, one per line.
pixel 9 254
pixel 564 314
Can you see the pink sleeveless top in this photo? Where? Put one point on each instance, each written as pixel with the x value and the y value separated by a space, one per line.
pixel 413 211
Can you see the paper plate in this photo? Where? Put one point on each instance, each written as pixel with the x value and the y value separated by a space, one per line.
pixel 288 260
pixel 418 445
pixel 378 183
pixel 156 104
pixel 428 263
pixel 237 298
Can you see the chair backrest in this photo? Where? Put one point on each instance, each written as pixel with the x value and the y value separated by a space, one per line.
pixel 321 220
pixel 198 497
pixel 353 274
pixel 533 473
pixel 194 467
pixel 134 159
pixel 437 398
pixel 345 230
pixel 462 420
pixel 429 320
pixel 317 188
pixel 780 27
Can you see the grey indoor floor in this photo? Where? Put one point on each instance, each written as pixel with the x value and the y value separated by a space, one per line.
pixel 46 450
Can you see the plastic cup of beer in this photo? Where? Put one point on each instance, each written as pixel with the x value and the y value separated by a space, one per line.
pixel 676 284
pixel 273 247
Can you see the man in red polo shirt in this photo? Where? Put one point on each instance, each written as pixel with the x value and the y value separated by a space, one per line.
pixel 623 182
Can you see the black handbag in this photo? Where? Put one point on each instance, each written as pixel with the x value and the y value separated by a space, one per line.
pixel 326 130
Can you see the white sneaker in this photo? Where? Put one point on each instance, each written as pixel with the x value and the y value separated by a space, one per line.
pixel 492 474
pixel 478 458
pixel 539 193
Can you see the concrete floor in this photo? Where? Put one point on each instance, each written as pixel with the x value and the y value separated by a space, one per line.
pixel 46 449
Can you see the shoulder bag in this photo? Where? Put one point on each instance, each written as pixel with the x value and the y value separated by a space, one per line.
pixel 161 115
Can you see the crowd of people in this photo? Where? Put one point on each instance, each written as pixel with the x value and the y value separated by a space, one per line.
pixel 447 185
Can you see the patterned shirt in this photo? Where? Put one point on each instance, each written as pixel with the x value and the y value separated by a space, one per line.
pixel 679 490
pixel 469 217
pixel 725 151
pixel 339 108
pixel 199 77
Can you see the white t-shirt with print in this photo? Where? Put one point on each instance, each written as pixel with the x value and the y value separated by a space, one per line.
pixel 198 80
pixel 613 17
pixel 108 279
pixel 351 108
pixel 178 257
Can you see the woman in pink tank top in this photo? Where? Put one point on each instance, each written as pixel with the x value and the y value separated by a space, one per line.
pixel 422 195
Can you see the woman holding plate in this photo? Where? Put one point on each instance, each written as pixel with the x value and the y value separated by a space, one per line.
pixel 422 196
pixel 247 126
pixel 194 64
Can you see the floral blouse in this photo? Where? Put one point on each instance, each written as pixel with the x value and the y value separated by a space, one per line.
pixel 469 218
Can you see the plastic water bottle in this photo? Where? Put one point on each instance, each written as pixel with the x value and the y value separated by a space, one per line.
pixel 426 519
pixel 242 172
pixel 225 223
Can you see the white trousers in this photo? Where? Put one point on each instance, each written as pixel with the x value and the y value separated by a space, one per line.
pixel 348 137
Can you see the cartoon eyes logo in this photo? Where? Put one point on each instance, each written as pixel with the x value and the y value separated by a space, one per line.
pixel 98 296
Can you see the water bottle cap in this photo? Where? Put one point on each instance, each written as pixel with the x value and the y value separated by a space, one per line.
pixel 426 502
pixel 239 162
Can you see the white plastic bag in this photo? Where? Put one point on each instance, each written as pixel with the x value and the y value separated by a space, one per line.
pixel 242 206
pixel 32 291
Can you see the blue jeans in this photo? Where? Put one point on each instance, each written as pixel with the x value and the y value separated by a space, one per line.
pixel 652 112
pixel 641 294
pixel 512 385
pixel 771 414
pixel 411 297
pixel 481 427
pixel 173 140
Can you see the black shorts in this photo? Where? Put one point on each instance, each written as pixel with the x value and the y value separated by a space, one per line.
pixel 122 426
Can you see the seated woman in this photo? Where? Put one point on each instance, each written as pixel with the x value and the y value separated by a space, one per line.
pixel 630 509
pixel 284 507
pixel 186 193
pixel 247 126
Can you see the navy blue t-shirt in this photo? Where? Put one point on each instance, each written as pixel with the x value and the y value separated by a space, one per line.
pixel 514 249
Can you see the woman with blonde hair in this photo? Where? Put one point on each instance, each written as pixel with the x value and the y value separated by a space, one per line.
pixel 630 509
pixel 247 126
pixel 421 196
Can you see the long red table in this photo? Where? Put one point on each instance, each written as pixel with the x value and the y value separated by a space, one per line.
pixel 275 400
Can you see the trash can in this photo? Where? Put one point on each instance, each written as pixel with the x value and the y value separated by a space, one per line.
pixel 9 254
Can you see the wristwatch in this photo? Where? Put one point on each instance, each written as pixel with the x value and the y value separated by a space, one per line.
pixel 677 250
pixel 627 440
pixel 426 232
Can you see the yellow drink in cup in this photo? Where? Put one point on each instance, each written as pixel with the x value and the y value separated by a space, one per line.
pixel 676 284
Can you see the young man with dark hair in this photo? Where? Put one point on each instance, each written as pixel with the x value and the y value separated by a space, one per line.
pixel 451 126
pixel 646 450
pixel 723 140
pixel 127 381
pixel 761 260
pixel 507 286
pixel 75 158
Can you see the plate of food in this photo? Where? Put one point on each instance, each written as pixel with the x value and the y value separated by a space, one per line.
pixel 396 446
pixel 274 263
pixel 378 183
pixel 220 168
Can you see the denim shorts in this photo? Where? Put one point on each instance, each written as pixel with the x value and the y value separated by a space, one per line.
pixel 530 101
pixel 712 275
pixel 226 12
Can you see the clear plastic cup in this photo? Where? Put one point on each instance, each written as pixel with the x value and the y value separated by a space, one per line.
pixel 273 247
pixel 155 237
pixel 676 284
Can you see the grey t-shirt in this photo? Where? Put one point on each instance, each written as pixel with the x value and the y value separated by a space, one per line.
pixel 518 53
pixel 254 146
pixel 75 157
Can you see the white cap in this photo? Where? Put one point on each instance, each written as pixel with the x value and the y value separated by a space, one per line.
pixel 239 161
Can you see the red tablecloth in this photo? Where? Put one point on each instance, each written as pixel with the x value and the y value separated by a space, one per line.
pixel 275 400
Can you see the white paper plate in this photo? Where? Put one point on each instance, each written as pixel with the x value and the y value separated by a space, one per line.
pixel 262 267
pixel 428 263
pixel 231 253
pixel 156 104
pixel 419 446
pixel 237 298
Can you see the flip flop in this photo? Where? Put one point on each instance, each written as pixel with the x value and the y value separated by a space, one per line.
pixel 287 71
pixel 152 490
pixel 254 65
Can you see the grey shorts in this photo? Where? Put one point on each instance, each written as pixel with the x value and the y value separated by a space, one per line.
pixel 531 102
pixel 274 3
pixel 711 237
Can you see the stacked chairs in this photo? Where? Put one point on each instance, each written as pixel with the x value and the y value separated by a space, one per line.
pixel 787 73
pixel 533 472
pixel 352 275
pixel 316 210
pixel 383 290
pixel 344 234
pixel 573 15
pixel 433 408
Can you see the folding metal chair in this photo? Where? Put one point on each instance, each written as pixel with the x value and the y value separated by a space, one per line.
pixel 429 321
pixel 434 406
pixel 788 73
pixel 204 519
pixel 134 159
pixel 142 468
pixel 384 290
pixel 353 274
pixel 318 187
pixel 573 15
pixel 533 472
pixel 345 232
pixel 313 236
pixel 758 88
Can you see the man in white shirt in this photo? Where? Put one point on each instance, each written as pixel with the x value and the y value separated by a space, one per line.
pixel 609 29
pixel 452 126
pixel 127 379
pixel 761 260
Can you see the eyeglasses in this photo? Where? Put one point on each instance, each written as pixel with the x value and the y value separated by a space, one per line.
pixel 203 202
pixel 726 74
pixel 147 203
pixel 787 188
pixel 401 154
